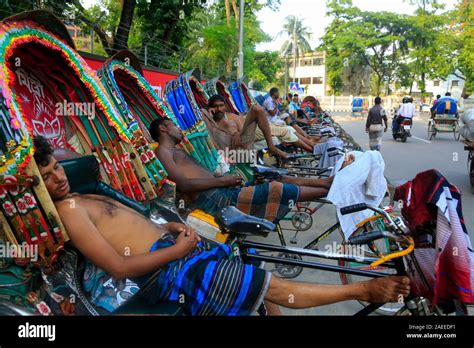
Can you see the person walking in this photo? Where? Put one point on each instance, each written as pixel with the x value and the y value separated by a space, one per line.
pixel 374 125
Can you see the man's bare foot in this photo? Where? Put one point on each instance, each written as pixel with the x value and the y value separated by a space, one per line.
pixel 277 152
pixel 386 289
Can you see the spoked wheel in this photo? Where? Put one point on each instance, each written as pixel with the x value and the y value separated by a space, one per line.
pixel 380 246
pixel 289 271
pixel 470 169
pixel 456 133
pixel 431 130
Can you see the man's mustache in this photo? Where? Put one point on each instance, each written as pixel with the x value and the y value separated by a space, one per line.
pixel 218 115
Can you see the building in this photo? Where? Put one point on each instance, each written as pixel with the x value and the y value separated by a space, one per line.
pixel 310 73
pixel 452 83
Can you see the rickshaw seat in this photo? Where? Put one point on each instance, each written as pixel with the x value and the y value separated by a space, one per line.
pixel 240 223
pixel 83 176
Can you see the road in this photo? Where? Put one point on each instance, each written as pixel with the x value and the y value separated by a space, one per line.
pixel 402 162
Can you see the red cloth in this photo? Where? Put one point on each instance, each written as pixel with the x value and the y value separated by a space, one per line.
pixel 431 203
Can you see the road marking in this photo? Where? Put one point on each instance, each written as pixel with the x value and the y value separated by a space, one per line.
pixel 426 141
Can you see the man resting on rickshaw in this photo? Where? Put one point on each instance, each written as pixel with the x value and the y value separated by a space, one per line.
pixel 127 245
pixel 200 188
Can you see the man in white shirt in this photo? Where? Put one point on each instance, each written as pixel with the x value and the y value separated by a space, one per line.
pixel 279 119
pixel 406 110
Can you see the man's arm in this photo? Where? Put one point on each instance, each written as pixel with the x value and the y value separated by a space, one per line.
pixel 189 185
pixel 270 107
pixel 88 240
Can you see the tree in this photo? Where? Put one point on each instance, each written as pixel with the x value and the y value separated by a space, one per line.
pixel 213 43
pixel 264 71
pixel 298 40
pixel 355 37
pixel 462 27
pixel 426 36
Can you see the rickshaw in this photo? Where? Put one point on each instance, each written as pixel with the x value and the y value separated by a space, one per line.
pixel 357 106
pixel 53 285
pixel 469 146
pixel 445 118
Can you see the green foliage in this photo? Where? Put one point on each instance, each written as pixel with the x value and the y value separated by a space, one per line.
pixel 212 44
pixel 264 69
pixel 399 49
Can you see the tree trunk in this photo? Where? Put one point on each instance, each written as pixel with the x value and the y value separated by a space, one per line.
pixel 227 12
pixel 123 29
pixel 169 30
pixel 285 87
pixel 236 11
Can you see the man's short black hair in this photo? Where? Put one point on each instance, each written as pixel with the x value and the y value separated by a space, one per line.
pixel 448 94
pixel 295 95
pixel 438 96
pixel 154 128
pixel 43 150
pixel 273 91
pixel 290 95
pixel 378 100
pixel 214 98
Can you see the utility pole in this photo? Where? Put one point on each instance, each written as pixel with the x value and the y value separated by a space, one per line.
pixel 92 41
pixel 240 68
pixel 146 55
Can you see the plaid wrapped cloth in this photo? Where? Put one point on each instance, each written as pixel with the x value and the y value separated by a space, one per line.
pixel 208 281
pixel 271 201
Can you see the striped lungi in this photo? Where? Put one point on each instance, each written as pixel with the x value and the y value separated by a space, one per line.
pixel 208 281
pixel 271 201
pixel 375 136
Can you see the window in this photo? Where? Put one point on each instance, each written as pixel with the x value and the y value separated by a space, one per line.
pixel 317 80
pixel 317 61
pixel 307 62
pixel 436 83
pixel 305 80
pixel 455 83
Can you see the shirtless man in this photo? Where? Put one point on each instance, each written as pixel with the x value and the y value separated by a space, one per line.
pixel 103 230
pixel 241 129
pixel 246 127
pixel 271 201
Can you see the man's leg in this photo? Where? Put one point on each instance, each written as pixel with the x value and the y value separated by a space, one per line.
pixel 257 114
pixel 304 295
pixel 304 143
pixel 308 193
pixel 311 182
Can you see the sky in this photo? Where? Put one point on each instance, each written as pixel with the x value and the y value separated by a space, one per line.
pixel 313 14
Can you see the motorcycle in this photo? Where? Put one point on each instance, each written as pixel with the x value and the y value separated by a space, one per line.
pixel 403 131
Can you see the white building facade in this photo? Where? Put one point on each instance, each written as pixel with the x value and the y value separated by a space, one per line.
pixel 310 73
pixel 453 84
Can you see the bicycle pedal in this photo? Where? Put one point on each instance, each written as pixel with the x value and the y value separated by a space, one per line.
pixel 294 241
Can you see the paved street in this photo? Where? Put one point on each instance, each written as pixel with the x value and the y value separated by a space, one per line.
pixel 403 161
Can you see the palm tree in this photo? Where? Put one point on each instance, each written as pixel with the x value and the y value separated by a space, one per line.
pixel 297 41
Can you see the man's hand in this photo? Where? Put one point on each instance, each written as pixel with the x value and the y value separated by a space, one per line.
pixel 386 289
pixel 186 242
pixel 178 228
pixel 236 142
pixel 230 180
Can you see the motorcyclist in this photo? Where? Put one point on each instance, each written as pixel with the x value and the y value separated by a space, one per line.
pixel 406 111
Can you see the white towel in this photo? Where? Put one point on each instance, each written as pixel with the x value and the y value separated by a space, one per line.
pixel 360 182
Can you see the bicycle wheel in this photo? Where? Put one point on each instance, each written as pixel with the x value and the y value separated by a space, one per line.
pixel 379 246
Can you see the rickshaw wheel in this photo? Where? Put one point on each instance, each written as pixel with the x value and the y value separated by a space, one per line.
pixel 289 271
pixel 382 246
